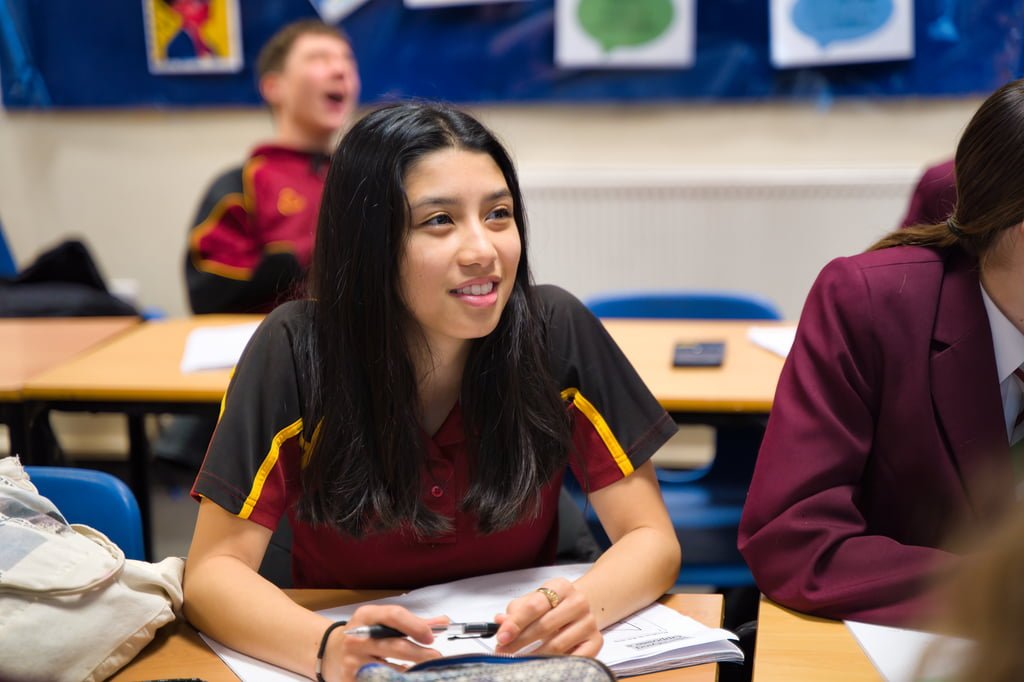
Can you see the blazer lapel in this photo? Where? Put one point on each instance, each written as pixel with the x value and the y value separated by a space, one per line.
pixel 965 390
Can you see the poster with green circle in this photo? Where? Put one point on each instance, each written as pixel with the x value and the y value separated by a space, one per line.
pixel 616 33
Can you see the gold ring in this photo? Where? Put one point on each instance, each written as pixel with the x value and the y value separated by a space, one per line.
pixel 551 595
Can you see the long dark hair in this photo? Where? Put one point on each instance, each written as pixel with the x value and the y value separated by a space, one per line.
pixel 366 459
pixel 989 181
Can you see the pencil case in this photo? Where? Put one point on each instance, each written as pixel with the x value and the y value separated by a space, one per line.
pixel 491 668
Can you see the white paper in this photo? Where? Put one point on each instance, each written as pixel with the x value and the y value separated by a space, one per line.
pixel 215 347
pixel 909 655
pixel 778 340
pixel 819 32
pixel 333 11
pixel 659 632
pixel 426 4
pixel 619 34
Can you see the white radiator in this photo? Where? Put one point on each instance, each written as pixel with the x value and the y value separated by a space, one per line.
pixel 767 230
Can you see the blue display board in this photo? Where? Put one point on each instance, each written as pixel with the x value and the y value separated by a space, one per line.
pixel 69 53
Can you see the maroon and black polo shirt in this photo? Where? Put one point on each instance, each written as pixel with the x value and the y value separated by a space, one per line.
pixel 253 464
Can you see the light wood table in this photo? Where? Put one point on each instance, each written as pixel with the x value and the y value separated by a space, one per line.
pixel 793 647
pixel 138 367
pixel 136 374
pixel 33 345
pixel 178 651
pixel 744 384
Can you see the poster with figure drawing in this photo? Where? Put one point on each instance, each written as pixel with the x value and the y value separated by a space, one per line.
pixel 822 32
pixel 192 36
pixel 618 34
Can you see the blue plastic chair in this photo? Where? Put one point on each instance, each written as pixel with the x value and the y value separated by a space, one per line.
pixel 705 504
pixel 685 305
pixel 96 499
pixel 7 265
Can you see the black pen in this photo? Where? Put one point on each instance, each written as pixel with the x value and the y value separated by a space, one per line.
pixel 454 629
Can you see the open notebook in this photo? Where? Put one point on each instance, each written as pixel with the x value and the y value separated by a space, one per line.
pixel 655 638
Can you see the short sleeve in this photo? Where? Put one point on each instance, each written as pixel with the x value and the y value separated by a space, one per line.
pixel 256 449
pixel 619 424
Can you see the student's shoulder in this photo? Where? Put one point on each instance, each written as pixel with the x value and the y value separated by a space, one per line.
pixel 556 302
pixel 900 277
pixel 942 172
pixel 233 179
pixel 883 263
pixel 297 314
pixel 228 181
pixel 287 323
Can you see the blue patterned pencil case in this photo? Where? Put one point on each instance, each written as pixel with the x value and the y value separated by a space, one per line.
pixel 490 668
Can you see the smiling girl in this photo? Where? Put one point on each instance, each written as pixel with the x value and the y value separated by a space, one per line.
pixel 414 419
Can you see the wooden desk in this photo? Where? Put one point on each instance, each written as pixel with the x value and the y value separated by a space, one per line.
pixel 178 651
pixel 136 374
pixel 792 647
pixel 33 345
pixel 138 367
pixel 143 366
pixel 745 383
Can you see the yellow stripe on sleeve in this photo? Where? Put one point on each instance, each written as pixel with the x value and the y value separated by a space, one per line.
pixel 601 426
pixel 269 461
pixel 245 200
pixel 307 447
pixel 224 398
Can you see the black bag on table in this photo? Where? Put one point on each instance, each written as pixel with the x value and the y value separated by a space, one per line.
pixel 62 282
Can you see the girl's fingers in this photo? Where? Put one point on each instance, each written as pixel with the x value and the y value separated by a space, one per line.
pixel 580 633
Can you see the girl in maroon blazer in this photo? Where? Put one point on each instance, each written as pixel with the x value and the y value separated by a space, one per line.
pixel 896 411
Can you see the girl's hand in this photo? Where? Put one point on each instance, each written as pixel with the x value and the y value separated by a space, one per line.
pixel 345 654
pixel 562 622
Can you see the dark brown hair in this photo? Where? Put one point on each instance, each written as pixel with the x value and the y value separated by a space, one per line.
pixel 367 459
pixel 989 181
pixel 275 51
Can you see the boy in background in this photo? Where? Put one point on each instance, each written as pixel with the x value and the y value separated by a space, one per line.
pixel 253 235
pixel 251 242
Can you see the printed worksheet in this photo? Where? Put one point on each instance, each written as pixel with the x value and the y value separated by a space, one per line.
pixel 652 639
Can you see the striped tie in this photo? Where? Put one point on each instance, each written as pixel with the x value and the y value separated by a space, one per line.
pixel 1019 373
pixel 1017 446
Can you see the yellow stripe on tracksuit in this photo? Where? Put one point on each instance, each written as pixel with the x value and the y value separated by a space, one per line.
pixel 601 426
pixel 245 201
pixel 269 461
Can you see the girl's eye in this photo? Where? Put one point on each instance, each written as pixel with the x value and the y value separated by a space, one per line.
pixel 440 219
pixel 501 213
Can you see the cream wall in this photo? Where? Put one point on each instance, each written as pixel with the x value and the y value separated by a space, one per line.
pixel 129 181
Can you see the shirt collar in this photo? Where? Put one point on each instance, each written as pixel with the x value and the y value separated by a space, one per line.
pixel 451 431
pixel 1007 340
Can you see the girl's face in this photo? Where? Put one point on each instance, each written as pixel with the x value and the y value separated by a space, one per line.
pixel 462 247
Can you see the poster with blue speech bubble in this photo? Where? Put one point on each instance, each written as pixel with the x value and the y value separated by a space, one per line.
pixel 620 34
pixel 824 32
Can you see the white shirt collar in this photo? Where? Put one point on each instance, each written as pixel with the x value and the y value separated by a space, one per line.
pixel 1007 340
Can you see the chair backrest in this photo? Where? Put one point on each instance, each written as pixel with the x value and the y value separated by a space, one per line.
pixel 737 445
pixel 96 499
pixel 7 265
pixel 706 305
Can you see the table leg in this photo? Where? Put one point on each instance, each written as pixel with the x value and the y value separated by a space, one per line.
pixel 14 415
pixel 32 436
pixel 139 461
